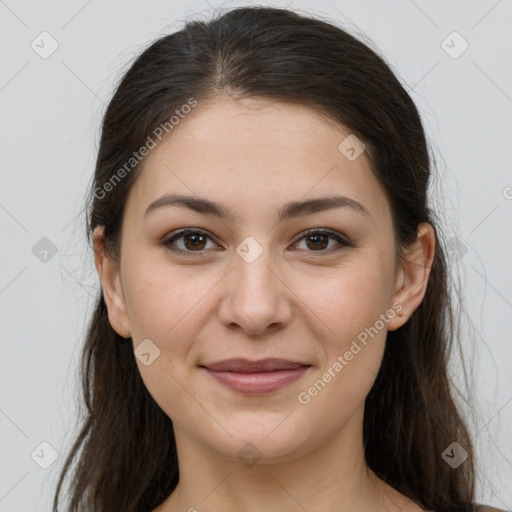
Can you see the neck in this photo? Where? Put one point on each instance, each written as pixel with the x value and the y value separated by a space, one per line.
pixel 330 477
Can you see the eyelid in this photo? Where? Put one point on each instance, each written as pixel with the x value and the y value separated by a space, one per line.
pixel 342 240
pixel 175 235
pixel 339 237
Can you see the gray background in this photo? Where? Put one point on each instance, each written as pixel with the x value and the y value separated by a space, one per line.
pixel 51 113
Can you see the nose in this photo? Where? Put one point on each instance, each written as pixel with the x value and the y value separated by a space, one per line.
pixel 255 297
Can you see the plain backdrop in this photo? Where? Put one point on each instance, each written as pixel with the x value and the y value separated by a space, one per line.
pixel 453 58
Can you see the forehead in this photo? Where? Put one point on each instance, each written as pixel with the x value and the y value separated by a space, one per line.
pixel 257 152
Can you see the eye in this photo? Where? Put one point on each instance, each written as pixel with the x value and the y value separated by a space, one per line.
pixel 193 241
pixel 196 241
pixel 317 239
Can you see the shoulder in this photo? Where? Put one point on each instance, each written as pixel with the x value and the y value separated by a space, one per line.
pixel 486 508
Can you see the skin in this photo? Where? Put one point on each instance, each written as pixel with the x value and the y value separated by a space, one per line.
pixel 298 300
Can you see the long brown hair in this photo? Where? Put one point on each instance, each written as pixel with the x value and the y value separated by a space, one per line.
pixel 125 452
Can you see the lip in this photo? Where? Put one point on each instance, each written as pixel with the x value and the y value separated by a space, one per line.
pixel 256 377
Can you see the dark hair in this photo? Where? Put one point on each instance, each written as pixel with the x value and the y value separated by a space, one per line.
pixel 126 448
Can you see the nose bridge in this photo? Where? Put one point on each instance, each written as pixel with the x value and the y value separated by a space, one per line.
pixel 253 263
pixel 255 296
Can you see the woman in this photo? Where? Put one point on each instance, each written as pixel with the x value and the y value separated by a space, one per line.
pixel 274 323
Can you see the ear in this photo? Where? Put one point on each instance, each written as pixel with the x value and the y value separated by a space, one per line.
pixel 111 284
pixel 412 278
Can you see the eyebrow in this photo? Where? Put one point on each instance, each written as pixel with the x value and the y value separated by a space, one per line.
pixel 287 211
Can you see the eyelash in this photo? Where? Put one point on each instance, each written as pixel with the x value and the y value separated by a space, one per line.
pixel 167 243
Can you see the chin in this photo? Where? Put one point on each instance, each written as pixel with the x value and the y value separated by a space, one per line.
pixel 258 440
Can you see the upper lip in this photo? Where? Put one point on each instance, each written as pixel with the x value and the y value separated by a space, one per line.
pixel 241 365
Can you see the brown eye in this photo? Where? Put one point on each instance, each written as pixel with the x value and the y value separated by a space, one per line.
pixel 190 241
pixel 194 241
pixel 318 241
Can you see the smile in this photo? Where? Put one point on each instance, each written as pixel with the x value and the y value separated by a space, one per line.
pixel 257 382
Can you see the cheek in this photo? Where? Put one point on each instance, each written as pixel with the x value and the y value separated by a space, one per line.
pixel 161 303
pixel 353 334
pixel 353 339
pixel 164 307
pixel 349 300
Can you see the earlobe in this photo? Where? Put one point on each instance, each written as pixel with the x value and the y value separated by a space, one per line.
pixel 413 277
pixel 111 285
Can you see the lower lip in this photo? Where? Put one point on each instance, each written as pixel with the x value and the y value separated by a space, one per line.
pixel 257 383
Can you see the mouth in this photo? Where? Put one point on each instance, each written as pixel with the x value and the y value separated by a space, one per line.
pixel 256 377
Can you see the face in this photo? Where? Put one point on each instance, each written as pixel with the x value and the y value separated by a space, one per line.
pixel 315 286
